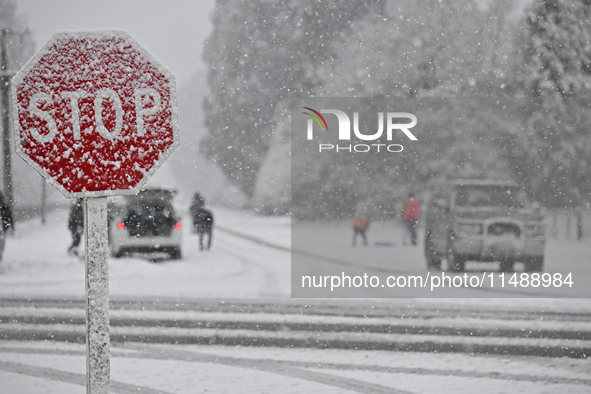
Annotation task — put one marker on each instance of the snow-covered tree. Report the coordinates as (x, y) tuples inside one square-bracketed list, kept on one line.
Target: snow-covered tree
[(558, 55), (260, 54), (553, 154), (19, 45), (273, 184), (263, 54), (425, 47)]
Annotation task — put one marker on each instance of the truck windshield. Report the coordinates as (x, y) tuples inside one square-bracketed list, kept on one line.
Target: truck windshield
[(490, 196)]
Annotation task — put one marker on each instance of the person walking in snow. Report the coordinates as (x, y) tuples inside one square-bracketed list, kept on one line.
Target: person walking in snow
[(76, 225), (410, 217), (360, 226), (7, 223), (203, 222), (196, 205)]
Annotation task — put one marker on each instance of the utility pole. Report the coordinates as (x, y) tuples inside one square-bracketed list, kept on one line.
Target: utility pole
[(5, 77)]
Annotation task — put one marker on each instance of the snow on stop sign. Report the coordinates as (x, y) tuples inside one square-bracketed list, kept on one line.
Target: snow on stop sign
[(94, 113)]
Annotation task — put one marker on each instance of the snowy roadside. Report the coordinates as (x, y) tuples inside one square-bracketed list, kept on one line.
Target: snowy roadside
[(37, 266), (238, 294)]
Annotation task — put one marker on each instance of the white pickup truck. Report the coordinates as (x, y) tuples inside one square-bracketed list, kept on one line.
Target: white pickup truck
[(483, 220)]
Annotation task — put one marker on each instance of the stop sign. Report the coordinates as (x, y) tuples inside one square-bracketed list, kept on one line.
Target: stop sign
[(94, 113)]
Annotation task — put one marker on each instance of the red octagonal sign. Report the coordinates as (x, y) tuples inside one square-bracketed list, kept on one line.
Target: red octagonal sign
[(94, 113)]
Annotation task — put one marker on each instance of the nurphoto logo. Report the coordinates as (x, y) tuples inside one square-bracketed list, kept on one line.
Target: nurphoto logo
[(393, 120)]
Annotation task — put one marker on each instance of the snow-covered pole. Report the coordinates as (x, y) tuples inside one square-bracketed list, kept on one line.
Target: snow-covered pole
[(98, 346)]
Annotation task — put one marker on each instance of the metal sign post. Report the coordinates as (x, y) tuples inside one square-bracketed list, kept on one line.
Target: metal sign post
[(96, 241)]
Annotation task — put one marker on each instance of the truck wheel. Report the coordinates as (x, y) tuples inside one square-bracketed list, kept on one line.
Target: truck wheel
[(535, 264), (507, 265), (175, 254), (434, 265), (455, 262), (116, 253)]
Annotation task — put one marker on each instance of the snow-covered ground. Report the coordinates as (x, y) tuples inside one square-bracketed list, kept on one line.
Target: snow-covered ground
[(53, 368), (387, 254), (250, 259), (36, 263)]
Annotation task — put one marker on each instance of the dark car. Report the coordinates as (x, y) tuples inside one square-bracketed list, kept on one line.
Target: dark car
[(147, 223), (483, 220)]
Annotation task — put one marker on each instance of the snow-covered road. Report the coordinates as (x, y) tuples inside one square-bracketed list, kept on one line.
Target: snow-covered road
[(52, 368), (36, 263), (323, 249), (238, 295), (250, 258)]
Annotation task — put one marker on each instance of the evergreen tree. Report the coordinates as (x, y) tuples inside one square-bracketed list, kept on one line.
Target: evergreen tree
[(19, 47), (261, 54), (552, 155)]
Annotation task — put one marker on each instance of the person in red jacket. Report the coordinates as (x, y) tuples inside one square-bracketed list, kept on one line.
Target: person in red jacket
[(412, 213)]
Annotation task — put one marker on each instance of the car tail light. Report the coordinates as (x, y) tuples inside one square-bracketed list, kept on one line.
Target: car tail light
[(177, 225), (121, 226)]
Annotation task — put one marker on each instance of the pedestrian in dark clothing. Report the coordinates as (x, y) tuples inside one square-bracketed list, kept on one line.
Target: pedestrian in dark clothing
[(203, 223), (360, 226), (411, 215), (196, 205), (7, 223), (202, 220), (76, 225)]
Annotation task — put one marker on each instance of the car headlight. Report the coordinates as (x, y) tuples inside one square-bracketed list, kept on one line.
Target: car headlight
[(470, 228)]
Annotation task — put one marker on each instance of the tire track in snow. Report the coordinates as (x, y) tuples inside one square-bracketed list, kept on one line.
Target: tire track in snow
[(269, 285), (158, 353), (72, 378), (272, 366), (303, 370), (271, 245), (366, 268)]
